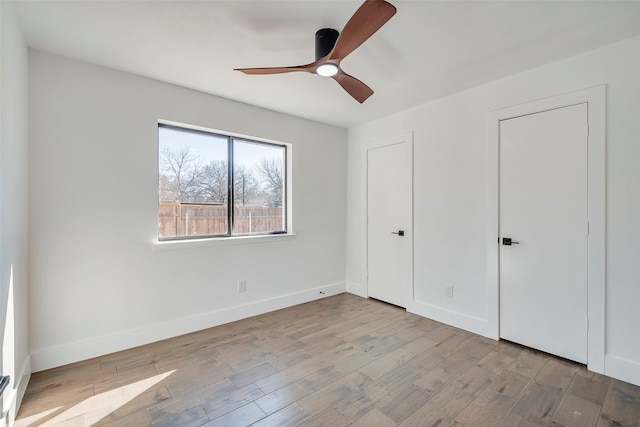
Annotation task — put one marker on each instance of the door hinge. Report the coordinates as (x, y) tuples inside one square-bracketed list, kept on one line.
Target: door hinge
[(587, 325), (588, 228)]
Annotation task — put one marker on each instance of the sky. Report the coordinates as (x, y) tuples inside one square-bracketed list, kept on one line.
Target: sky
[(211, 147)]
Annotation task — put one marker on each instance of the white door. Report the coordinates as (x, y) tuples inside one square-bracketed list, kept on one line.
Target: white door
[(389, 230), (543, 209)]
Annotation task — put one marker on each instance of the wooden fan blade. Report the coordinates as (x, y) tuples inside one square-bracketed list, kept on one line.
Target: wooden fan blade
[(355, 87), (368, 19), (309, 68)]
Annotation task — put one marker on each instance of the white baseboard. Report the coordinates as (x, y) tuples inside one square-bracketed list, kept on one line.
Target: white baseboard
[(453, 318), (25, 376), (622, 369), (69, 353), (357, 289)]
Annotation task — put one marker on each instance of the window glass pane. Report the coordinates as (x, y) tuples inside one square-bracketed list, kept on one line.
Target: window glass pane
[(193, 183), (259, 187)]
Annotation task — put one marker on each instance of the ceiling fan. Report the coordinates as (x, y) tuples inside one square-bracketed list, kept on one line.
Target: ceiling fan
[(332, 47)]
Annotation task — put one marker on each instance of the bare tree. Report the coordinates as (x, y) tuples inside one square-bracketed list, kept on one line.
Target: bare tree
[(184, 179), (246, 186), (213, 182), (166, 193), (180, 173), (271, 171)]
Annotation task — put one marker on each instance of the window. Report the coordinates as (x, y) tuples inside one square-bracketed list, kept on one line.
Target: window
[(214, 185)]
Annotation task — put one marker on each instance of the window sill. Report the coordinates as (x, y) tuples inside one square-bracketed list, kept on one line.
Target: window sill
[(220, 241)]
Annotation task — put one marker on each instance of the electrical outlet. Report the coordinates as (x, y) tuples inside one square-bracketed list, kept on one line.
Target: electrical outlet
[(242, 285), (448, 291)]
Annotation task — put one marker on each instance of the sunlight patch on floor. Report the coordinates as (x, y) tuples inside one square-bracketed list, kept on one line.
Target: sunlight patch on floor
[(33, 419), (95, 408)]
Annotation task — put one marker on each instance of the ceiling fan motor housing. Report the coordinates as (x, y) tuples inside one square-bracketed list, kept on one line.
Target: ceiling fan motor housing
[(368, 19), (325, 41)]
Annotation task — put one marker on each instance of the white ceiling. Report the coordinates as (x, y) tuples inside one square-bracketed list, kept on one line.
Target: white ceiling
[(428, 50)]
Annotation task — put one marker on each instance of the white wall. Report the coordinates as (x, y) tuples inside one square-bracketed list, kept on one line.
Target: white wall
[(97, 285), (450, 164), (13, 210)]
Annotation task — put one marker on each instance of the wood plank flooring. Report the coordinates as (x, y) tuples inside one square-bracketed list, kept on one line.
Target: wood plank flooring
[(339, 361)]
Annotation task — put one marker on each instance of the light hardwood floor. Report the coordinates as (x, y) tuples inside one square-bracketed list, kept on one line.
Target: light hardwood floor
[(338, 361)]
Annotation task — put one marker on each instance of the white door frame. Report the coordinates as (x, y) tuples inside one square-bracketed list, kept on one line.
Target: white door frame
[(400, 139), (596, 117)]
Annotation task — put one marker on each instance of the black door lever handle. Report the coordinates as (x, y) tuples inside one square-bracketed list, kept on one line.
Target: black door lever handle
[(399, 232), (506, 241)]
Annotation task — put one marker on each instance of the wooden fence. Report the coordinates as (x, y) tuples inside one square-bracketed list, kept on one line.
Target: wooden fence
[(186, 219)]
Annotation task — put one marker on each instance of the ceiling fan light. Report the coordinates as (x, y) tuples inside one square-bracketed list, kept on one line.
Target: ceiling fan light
[(327, 69)]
